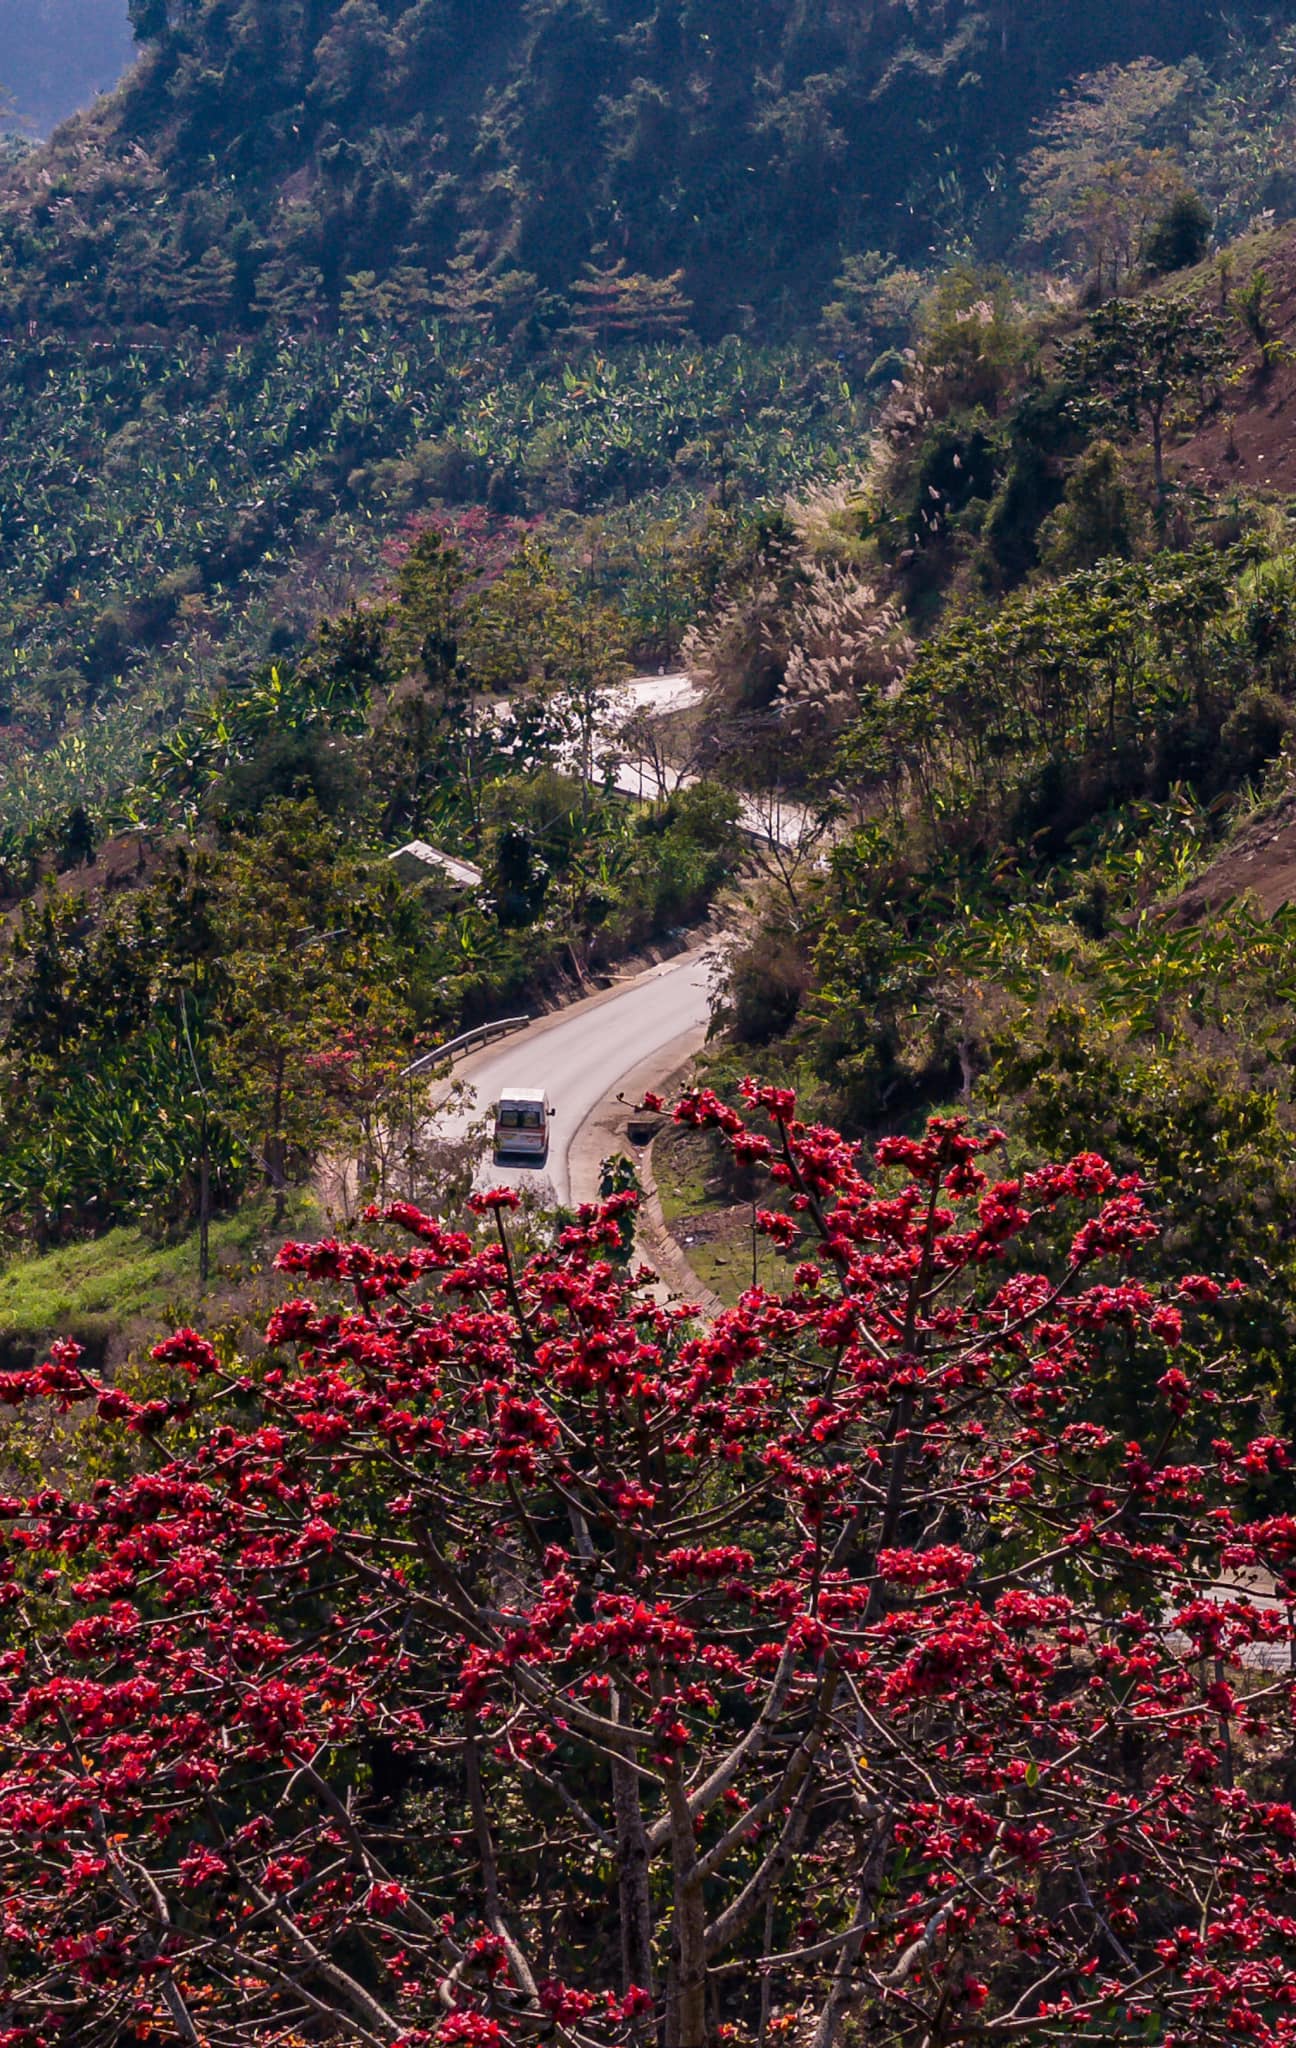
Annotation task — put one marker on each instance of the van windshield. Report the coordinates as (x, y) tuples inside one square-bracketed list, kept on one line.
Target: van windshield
[(521, 1120)]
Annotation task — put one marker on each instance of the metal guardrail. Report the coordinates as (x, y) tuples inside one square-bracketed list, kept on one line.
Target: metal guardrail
[(449, 1053)]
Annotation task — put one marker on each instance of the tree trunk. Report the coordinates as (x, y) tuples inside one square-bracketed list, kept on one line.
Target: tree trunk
[(842, 1993), (632, 1880), (688, 2027), (204, 1210)]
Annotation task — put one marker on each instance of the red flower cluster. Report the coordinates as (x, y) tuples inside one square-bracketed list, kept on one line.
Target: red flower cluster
[(502, 1657)]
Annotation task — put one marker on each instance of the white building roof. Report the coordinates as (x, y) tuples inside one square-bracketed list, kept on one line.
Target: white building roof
[(415, 861)]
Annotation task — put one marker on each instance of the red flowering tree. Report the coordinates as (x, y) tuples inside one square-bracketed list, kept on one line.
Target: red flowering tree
[(504, 1658)]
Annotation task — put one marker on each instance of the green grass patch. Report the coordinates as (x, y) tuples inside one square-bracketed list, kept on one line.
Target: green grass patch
[(713, 1231), (723, 1262), (683, 1163), (125, 1277)]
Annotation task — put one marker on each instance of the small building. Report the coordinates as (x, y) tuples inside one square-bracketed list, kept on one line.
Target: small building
[(419, 862)]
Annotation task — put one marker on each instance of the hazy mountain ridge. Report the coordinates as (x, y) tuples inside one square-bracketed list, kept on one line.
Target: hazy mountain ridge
[(55, 55)]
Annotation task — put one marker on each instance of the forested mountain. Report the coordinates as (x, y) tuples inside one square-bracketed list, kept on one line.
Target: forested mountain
[(602, 260), (486, 156), (55, 55)]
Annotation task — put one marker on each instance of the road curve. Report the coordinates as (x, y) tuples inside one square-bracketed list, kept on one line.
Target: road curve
[(770, 820), (584, 1056)]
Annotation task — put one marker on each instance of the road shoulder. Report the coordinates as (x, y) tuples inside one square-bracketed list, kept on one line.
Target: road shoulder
[(604, 1133)]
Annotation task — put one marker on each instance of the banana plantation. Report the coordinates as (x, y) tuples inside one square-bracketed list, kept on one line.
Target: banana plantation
[(174, 513)]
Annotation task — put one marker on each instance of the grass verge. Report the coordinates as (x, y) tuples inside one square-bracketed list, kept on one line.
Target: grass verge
[(712, 1230), (127, 1281)]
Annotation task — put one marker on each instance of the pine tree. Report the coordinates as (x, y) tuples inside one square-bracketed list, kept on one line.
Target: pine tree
[(617, 305)]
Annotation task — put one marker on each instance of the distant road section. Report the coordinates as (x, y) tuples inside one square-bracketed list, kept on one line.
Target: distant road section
[(583, 1056), (769, 820), (658, 694)]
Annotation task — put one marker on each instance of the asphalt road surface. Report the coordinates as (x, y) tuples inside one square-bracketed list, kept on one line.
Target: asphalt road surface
[(769, 820), (638, 1033), (677, 692)]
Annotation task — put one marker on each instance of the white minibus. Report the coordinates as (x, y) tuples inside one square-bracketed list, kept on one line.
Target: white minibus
[(522, 1124)]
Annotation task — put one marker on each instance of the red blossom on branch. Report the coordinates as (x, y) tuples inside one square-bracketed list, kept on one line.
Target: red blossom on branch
[(505, 1657)]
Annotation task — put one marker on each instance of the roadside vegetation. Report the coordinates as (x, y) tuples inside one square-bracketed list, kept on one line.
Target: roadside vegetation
[(219, 999), (964, 530), (123, 1289), (1042, 666)]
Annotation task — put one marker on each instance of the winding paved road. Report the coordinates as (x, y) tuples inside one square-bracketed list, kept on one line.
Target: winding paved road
[(623, 1040), (771, 820)]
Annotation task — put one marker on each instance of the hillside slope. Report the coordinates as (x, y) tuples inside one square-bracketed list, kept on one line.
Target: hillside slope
[(321, 265), (1249, 443), (749, 146)]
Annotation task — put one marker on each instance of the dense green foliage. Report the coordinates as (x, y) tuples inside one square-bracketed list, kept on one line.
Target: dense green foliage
[(744, 145), (1011, 924), (453, 257), (177, 512), (237, 997), (513, 344)]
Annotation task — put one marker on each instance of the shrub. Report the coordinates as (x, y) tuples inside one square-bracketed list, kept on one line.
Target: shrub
[(1256, 730), (1181, 236), (766, 979), (1101, 516)]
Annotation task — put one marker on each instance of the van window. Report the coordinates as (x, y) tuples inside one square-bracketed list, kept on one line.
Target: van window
[(530, 1120), (508, 1120)]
